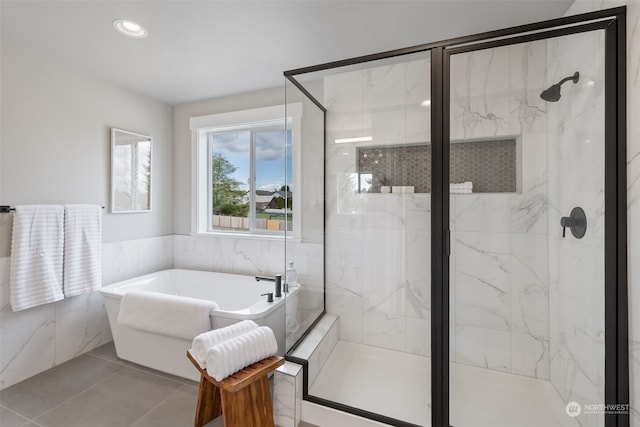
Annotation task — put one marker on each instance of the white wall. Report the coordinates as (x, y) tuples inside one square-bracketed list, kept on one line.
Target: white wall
[(55, 143)]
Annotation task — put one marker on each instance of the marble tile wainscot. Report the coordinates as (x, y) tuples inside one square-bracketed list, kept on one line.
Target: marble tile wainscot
[(37, 339)]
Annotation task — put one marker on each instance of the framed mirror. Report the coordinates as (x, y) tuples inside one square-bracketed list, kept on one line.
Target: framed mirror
[(130, 172)]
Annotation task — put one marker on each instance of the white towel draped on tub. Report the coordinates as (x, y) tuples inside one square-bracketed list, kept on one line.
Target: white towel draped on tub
[(232, 355), (82, 249), (37, 243), (205, 341), (165, 314)]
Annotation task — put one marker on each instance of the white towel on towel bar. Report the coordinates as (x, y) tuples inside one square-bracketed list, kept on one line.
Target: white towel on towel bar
[(232, 355), (166, 314), (82, 249), (203, 342), (37, 244)]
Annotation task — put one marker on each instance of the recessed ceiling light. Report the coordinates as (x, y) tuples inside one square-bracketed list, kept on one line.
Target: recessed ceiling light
[(130, 28), (426, 103)]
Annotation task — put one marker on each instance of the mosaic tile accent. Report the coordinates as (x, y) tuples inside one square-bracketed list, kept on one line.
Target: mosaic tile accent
[(401, 165), (490, 165)]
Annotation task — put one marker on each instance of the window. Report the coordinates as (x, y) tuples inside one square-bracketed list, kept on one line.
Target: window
[(245, 177)]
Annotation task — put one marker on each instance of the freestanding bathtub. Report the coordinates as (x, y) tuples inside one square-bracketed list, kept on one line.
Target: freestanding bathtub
[(239, 297)]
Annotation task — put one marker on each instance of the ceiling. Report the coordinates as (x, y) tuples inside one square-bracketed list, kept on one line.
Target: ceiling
[(203, 49)]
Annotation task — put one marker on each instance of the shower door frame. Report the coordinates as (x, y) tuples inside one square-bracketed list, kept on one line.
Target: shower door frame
[(613, 23)]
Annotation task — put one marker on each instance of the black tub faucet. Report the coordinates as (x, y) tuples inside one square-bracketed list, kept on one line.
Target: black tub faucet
[(278, 281)]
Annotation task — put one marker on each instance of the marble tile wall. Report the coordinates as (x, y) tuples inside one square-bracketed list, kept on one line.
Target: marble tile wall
[(500, 289), (576, 273), (265, 257), (372, 240), (318, 345), (378, 245), (36, 339), (499, 250), (287, 397)]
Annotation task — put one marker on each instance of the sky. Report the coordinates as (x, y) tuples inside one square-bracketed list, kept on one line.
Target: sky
[(270, 157)]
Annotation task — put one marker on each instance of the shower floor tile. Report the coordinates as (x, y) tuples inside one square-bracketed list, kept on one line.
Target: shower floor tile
[(385, 382), (397, 385)]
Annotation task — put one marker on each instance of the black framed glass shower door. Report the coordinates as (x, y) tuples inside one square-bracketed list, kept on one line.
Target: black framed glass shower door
[(500, 269)]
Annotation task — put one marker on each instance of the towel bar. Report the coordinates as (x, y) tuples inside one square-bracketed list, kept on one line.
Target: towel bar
[(243, 398), (7, 208)]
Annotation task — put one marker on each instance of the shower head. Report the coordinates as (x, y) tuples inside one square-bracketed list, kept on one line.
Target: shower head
[(552, 94)]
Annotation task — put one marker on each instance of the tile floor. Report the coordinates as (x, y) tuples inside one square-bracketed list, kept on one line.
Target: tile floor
[(97, 389)]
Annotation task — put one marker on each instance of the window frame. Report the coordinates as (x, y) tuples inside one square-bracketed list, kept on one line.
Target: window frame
[(257, 119)]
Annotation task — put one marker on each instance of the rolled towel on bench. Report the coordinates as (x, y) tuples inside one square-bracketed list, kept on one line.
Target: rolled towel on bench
[(232, 355), (207, 340)]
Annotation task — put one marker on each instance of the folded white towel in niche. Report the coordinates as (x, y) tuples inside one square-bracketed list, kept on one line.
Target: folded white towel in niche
[(82, 249), (165, 314), (37, 244), (232, 355), (461, 188), (203, 342)]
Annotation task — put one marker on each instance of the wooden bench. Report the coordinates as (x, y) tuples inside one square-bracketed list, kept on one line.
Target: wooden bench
[(243, 398)]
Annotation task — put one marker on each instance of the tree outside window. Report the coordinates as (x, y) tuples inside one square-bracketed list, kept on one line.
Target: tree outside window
[(248, 170)]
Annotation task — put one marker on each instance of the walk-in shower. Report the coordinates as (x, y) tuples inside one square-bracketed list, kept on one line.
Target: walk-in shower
[(474, 228)]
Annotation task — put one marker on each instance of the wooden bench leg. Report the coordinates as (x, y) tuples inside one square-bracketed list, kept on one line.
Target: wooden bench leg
[(209, 399), (248, 407)]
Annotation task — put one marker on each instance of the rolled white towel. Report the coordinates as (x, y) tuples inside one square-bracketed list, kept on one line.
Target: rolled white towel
[(207, 340), (461, 188), (232, 355), (462, 185)]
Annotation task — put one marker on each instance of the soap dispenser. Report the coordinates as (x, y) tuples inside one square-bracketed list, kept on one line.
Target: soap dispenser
[(291, 275)]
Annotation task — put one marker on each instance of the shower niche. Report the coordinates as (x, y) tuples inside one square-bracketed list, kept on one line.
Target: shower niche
[(491, 165)]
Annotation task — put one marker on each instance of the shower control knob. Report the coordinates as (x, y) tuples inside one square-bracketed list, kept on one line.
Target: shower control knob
[(576, 222)]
